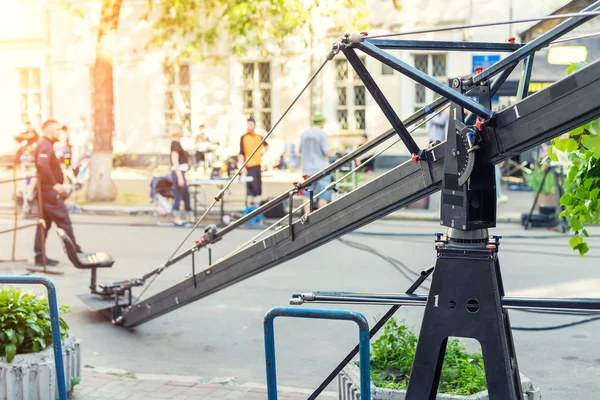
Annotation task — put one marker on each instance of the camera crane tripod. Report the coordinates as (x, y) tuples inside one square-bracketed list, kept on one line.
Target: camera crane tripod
[(466, 297), (546, 217)]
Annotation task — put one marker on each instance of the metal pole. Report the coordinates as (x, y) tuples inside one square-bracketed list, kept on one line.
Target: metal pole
[(16, 206), (536, 44), (424, 79), (381, 100), (364, 350), (41, 220)]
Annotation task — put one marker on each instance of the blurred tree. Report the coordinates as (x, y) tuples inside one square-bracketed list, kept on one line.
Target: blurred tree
[(101, 186), (188, 27)]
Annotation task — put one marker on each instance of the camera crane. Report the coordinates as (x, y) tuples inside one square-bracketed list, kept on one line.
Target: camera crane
[(466, 298)]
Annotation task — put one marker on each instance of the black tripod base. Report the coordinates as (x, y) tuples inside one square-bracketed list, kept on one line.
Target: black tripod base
[(465, 301)]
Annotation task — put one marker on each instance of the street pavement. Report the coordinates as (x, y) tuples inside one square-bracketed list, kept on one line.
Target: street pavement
[(222, 335), (113, 385)]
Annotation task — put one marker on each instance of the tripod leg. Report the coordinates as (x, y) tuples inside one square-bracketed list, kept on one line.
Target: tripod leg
[(535, 200), (465, 300), (427, 367)]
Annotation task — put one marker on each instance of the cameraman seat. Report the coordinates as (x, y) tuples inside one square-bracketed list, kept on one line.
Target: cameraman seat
[(91, 261)]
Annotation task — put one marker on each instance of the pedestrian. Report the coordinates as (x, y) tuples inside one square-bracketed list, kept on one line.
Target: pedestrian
[(314, 150), (248, 143), (53, 193), (180, 164), (367, 165), (204, 149), (437, 128)]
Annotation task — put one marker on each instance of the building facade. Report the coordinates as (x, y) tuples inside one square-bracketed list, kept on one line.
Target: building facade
[(48, 53)]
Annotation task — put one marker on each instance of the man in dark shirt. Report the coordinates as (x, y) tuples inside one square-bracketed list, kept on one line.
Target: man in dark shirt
[(53, 192)]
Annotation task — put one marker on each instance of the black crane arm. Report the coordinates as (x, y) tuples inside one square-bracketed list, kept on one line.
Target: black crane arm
[(566, 104)]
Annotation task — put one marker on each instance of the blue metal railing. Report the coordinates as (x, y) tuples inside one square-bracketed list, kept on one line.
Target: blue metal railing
[(54, 322), (364, 350)]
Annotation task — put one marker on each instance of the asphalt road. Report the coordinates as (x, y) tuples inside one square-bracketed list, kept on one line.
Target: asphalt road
[(222, 335)]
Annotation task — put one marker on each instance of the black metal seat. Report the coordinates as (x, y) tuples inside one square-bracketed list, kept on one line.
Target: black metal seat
[(84, 260), (91, 261)]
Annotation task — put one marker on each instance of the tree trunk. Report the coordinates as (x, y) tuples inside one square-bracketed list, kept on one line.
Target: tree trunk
[(101, 186)]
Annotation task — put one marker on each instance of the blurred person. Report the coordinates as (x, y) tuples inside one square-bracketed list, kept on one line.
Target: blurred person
[(26, 141), (180, 164), (53, 192), (314, 150), (204, 149), (248, 142), (368, 166), (64, 151), (437, 127)]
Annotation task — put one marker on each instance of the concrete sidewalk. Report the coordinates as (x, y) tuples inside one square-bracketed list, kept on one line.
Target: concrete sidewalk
[(100, 384)]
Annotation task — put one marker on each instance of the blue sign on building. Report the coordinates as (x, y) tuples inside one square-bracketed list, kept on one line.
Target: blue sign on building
[(484, 61)]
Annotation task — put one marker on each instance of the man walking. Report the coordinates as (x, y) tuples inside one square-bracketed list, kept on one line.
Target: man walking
[(314, 149), (248, 142), (53, 192)]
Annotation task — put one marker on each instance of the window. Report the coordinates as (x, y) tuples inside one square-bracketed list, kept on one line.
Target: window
[(178, 107), (30, 96), (351, 96), (256, 92), (435, 66), (386, 70)]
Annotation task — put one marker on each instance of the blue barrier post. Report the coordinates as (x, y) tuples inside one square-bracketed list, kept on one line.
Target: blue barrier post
[(364, 350), (54, 323)]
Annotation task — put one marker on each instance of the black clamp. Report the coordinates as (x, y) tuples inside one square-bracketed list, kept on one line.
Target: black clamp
[(209, 237), (493, 243), (440, 241), (423, 158)]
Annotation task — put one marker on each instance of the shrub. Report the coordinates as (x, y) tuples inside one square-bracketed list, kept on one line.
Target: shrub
[(582, 185), (393, 353), (25, 323)]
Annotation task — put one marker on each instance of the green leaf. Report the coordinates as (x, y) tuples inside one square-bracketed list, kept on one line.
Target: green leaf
[(582, 248), (571, 145), (575, 241), (575, 66), (566, 199), (585, 233), (592, 142), (10, 335), (561, 144), (10, 350), (576, 225), (551, 154), (594, 126), (578, 131)]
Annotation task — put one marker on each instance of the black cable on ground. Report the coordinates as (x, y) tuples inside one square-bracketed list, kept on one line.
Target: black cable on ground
[(554, 327), (399, 265)]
